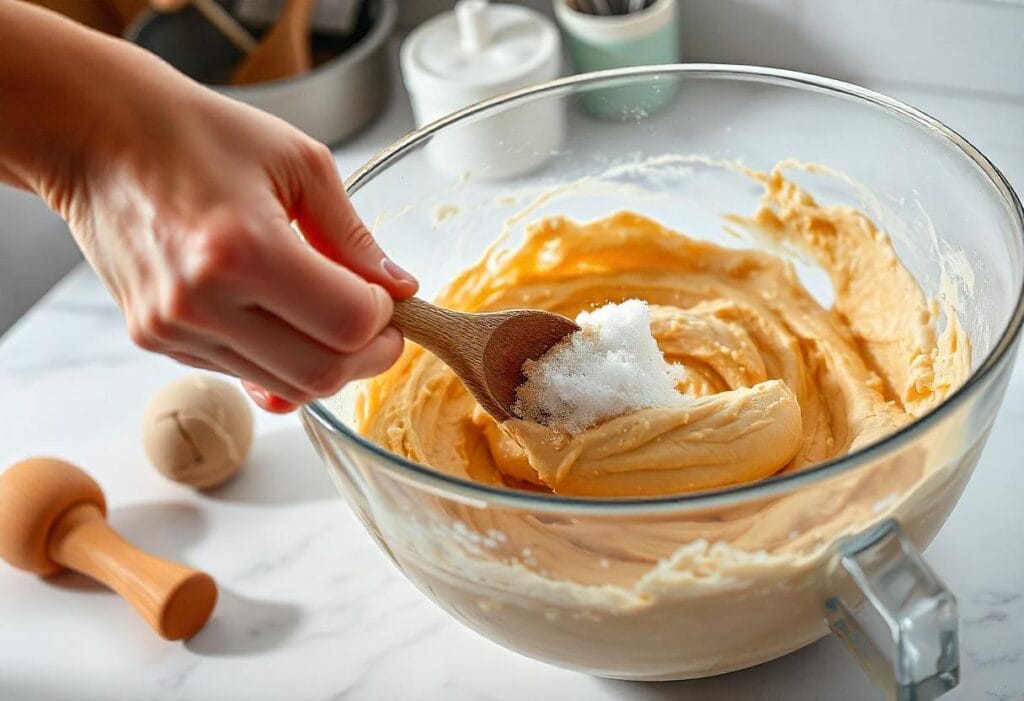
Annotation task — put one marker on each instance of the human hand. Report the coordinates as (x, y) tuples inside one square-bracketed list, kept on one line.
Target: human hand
[(182, 200)]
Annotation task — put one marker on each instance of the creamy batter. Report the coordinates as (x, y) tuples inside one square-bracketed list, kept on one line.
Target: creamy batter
[(777, 381)]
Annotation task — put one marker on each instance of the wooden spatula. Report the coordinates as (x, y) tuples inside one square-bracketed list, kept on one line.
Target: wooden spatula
[(487, 351), (285, 49)]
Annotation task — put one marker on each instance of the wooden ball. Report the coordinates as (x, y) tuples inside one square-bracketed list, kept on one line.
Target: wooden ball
[(34, 493), (198, 431)]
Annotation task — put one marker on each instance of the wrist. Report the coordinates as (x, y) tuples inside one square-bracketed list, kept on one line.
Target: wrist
[(79, 99)]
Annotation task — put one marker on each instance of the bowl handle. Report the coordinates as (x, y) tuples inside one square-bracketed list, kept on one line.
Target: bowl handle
[(906, 638)]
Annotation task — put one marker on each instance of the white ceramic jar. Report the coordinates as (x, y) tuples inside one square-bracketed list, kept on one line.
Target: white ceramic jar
[(478, 51)]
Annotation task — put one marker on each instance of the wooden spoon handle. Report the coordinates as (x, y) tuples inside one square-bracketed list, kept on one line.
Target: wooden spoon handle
[(454, 337), (175, 600), (423, 322)]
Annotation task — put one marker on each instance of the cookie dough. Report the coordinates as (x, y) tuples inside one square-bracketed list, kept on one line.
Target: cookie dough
[(197, 430), (681, 589), (778, 382)]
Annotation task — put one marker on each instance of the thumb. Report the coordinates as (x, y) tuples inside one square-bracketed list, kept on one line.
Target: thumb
[(330, 224)]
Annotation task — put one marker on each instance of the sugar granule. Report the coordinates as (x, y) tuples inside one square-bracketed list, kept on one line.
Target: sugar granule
[(611, 366)]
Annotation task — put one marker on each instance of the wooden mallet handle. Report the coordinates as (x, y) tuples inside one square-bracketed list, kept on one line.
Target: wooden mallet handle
[(175, 600), (53, 516)]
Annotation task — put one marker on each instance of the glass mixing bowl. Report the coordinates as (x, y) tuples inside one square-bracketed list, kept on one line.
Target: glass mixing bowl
[(698, 584)]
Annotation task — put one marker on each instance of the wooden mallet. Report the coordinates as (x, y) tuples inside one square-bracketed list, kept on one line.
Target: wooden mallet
[(53, 517)]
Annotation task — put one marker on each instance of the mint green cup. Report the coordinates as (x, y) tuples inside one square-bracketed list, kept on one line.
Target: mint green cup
[(600, 42)]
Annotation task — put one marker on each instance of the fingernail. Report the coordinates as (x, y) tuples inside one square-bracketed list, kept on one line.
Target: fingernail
[(255, 391), (395, 272), (266, 400), (278, 405)]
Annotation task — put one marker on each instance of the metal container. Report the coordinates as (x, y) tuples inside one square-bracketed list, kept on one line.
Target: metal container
[(330, 103)]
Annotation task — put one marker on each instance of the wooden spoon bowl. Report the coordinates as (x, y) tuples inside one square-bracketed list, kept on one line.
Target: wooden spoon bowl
[(486, 350), (284, 50)]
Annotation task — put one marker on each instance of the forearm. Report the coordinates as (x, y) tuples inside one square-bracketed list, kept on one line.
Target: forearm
[(182, 201), (64, 99)]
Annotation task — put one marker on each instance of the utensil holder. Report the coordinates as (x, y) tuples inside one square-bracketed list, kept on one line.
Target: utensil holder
[(599, 42)]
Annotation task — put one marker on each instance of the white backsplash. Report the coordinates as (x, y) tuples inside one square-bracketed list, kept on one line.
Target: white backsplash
[(974, 45), (36, 250), (968, 54), (970, 45)]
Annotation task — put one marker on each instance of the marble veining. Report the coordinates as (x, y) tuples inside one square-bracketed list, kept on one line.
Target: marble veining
[(310, 608)]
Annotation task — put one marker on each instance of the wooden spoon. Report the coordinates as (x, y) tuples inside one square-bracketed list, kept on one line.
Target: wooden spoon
[(284, 51), (487, 351), (53, 516)]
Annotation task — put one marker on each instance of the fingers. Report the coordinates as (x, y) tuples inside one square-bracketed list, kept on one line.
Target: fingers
[(378, 355), (294, 358), (241, 295), (330, 224), (197, 362), (266, 400), (322, 299), (254, 345), (388, 349), (211, 345), (289, 368), (381, 355), (242, 263), (237, 365), (260, 395)]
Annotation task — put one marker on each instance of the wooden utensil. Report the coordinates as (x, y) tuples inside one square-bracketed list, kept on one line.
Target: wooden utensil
[(216, 15), (53, 516), (487, 351), (285, 49)]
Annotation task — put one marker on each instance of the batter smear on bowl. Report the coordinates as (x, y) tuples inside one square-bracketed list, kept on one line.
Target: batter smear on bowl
[(766, 380)]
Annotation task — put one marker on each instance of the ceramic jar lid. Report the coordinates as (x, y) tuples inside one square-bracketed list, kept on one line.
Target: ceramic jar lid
[(480, 50)]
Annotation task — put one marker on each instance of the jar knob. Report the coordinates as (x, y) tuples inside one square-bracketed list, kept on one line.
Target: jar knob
[(474, 25)]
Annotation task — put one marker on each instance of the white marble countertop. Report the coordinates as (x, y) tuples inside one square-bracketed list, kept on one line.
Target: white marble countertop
[(310, 609)]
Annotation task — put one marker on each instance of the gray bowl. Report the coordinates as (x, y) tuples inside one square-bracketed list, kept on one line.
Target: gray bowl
[(330, 103)]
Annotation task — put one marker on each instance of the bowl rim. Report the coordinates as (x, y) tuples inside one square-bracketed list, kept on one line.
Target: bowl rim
[(467, 490)]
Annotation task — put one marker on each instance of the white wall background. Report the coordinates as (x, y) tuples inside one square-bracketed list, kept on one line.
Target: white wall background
[(961, 60), (35, 251)]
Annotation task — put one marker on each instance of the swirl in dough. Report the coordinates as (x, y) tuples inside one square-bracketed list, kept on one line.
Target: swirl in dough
[(777, 382)]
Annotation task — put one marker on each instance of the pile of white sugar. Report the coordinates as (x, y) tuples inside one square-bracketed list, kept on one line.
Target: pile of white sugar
[(610, 367)]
